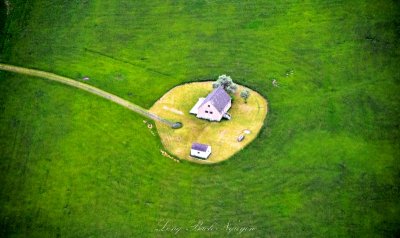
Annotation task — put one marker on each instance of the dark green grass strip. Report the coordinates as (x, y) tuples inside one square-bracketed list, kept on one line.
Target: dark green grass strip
[(126, 62)]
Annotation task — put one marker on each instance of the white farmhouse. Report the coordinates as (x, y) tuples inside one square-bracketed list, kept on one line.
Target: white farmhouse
[(201, 151), (214, 106)]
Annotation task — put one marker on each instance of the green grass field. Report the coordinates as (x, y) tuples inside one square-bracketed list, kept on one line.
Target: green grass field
[(325, 164)]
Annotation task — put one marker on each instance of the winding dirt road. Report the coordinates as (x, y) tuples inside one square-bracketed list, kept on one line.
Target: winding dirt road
[(85, 87)]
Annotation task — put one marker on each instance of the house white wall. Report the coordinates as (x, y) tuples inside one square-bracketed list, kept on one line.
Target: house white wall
[(209, 112), (227, 107), (201, 154), (195, 109)]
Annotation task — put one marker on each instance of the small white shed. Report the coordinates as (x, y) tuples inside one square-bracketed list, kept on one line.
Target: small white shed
[(200, 151)]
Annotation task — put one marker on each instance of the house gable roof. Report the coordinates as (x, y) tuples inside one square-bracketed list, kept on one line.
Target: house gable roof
[(199, 147), (219, 98)]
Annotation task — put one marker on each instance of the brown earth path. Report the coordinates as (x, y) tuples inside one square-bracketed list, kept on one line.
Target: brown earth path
[(87, 88)]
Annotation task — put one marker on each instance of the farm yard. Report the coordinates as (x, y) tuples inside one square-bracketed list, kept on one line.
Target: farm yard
[(222, 136), (324, 164)]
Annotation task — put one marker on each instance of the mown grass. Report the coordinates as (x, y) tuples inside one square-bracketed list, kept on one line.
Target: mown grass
[(221, 136), (325, 164)]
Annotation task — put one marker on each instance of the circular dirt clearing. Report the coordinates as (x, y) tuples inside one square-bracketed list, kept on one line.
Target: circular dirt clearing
[(221, 136)]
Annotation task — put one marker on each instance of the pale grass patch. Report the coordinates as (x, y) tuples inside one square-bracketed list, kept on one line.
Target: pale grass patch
[(173, 110), (8, 6), (222, 136)]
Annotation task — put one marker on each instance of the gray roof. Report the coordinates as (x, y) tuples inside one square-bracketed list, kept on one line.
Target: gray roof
[(218, 98), (199, 147)]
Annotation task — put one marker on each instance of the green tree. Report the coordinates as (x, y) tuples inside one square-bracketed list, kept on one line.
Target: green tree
[(226, 82), (245, 94)]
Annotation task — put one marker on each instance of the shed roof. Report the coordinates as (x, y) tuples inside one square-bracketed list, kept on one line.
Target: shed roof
[(219, 98), (199, 147)]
